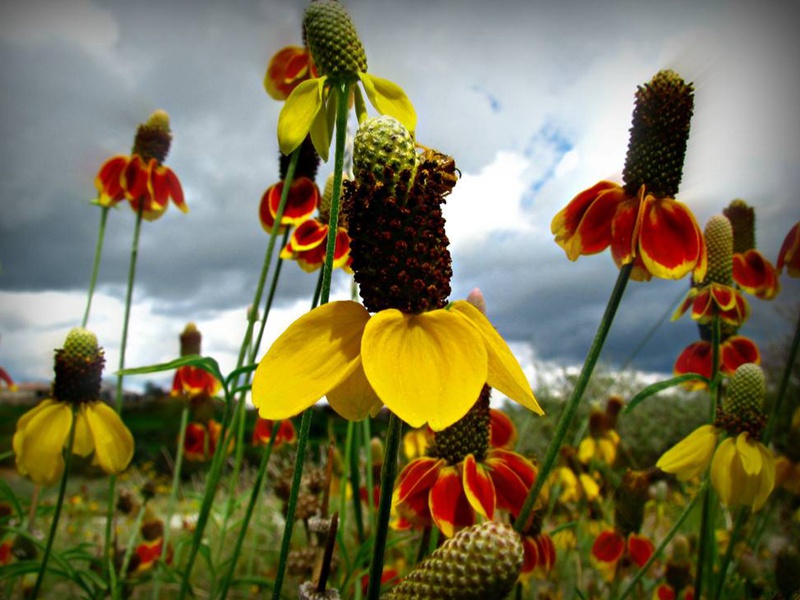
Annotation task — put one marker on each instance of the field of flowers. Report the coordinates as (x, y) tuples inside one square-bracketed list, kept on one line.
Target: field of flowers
[(408, 480)]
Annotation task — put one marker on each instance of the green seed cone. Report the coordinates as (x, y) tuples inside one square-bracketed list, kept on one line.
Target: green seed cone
[(80, 344), (746, 391), (719, 243), (333, 40), (478, 563), (384, 149), (658, 135)]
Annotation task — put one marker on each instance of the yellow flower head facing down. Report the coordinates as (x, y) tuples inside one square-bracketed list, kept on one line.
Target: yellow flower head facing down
[(426, 368), (691, 456), (340, 58), (43, 432), (743, 472)]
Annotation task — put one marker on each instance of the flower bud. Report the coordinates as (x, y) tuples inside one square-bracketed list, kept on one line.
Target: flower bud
[(333, 40), (719, 243)]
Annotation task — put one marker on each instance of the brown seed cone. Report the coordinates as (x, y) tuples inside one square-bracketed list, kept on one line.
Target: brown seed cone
[(78, 368), (743, 221), (631, 496), (478, 563), (153, 138), (468, 435)]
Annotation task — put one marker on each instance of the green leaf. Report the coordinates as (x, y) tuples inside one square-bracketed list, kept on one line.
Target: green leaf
[(193, 360), (655, 388), (240, 371), (389, 99)]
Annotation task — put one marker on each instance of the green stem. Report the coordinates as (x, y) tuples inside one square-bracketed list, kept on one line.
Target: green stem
[(270, 297), (741, 519), (787, 375), (388, 475), (577, 393), (62, 488), (101, 233), (257, 485), (348, 449), (126, 560), (352, 457), (286, 541), (173, 494), (670, 534)]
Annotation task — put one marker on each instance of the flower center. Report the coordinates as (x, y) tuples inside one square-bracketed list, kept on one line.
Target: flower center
[(468, 435)]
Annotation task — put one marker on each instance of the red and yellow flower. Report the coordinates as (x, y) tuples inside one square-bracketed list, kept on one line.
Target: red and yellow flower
[(611, 546), (308, 245), (659, 235), (264, 430), (451, 496), (200, 440), (191, 381), (539, 555), (733, 352), (755, 274), (713, 299), (789, 255), (301, 203), (288, 68)]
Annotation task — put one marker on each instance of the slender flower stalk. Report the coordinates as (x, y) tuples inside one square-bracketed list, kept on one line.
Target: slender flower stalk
[(101, 232)]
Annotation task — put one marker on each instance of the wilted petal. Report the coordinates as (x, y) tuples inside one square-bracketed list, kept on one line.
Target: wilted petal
[(428, 367), (314, 355)]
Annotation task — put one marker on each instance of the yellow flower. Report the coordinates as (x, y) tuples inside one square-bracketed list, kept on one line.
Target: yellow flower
[(743, 471), (426, 368), (43, 432), (602, 448), (690, 457)]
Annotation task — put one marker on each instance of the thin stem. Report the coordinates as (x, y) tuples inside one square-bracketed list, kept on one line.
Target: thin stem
[(126, 560), (62, 488), (173, 494), (388, 475), (101, 233), (787, 373), (577, 393), (353, 458), (302, 443), (257, 485), (670, 534), (741, 519)]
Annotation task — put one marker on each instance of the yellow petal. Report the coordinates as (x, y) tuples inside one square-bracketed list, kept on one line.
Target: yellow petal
[(586, 450), (504, 372), (426, 368), (84, 443), (42, 441), (313, 356), (726, 473), (113, 442), (690, 457), (590, 488), (22, 425), (766, 477), (748, 454), (298, 114), (322, 127), (389, 99), (607, 450), (354, 398)]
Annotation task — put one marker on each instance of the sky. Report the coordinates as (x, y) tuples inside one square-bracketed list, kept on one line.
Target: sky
[(532, 99)]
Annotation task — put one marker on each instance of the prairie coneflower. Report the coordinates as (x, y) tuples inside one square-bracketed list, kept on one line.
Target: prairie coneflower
[(641, 220), (288, 68), (43, 431), (427, 361), (264, 429), (789, 255), (141, 178), (751, 270), (190, 381)]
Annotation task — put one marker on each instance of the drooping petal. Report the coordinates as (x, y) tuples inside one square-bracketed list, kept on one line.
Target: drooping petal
[(584, 225), (789, 255), (298, 114), (478, 487), (591, 490), (109, 181), (690, 457), (755, 275), (736, 351), (748, 453), (113, 442), (504, 372), (428, 367), (766, 478), (448, 504), (316, 353), (502, 433), (640, 549), (309, 234), (669, 239), (586, 450), (84, 442), (727, 475), (389, 99), (166, 186), (624, 227), (39, 444), (512, 475), (322, 127), (191, 381), (609, 546), (353, 398), (695, 358)]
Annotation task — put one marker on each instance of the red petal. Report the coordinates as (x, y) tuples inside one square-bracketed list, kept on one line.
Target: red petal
[(109, 181), (665, 592), (502, 433), (736, 351), (264, 213), (530, 557), (789, 254), (417, 477), (669, 239), (640, 549), (478, 487), (448, 504), (309, 234), (194, 381), (695, 358), (584, 225), (608, 546), (623, 227), (512, 475), (288, 67), (755, 275)]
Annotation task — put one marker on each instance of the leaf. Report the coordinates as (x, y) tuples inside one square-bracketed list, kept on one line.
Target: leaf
[(8, 493), (194, 360), (655, 388), (240, 371)]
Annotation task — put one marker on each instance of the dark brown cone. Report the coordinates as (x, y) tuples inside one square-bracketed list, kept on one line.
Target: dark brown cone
[(468, 435), (743, 221), (307, 162), (631, 496), (77, 379)]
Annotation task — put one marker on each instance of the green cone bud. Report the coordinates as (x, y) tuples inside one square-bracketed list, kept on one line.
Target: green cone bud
[(478, 563), (383, 148), (153, 138), (746, 391), (333, 40), (743, 221), (80, 344), (719, 244), (658, 135)]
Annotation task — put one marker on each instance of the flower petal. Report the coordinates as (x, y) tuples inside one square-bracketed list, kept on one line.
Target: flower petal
[(389, 99), (749, 455), (789, 254), (84, 442), (502, 433), (727, 477), (109, 181), (40, 443), (314, 355), (669, 239), (504, 372), (353, 398), (736, 351), (428, 367), (448, 503), (512, 475), (322, 127), (766, 481), (640, 549), (478, 487), (298, 114), (113, 442), (416, 478), (584, 225), (690, 457), (608, 546)]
